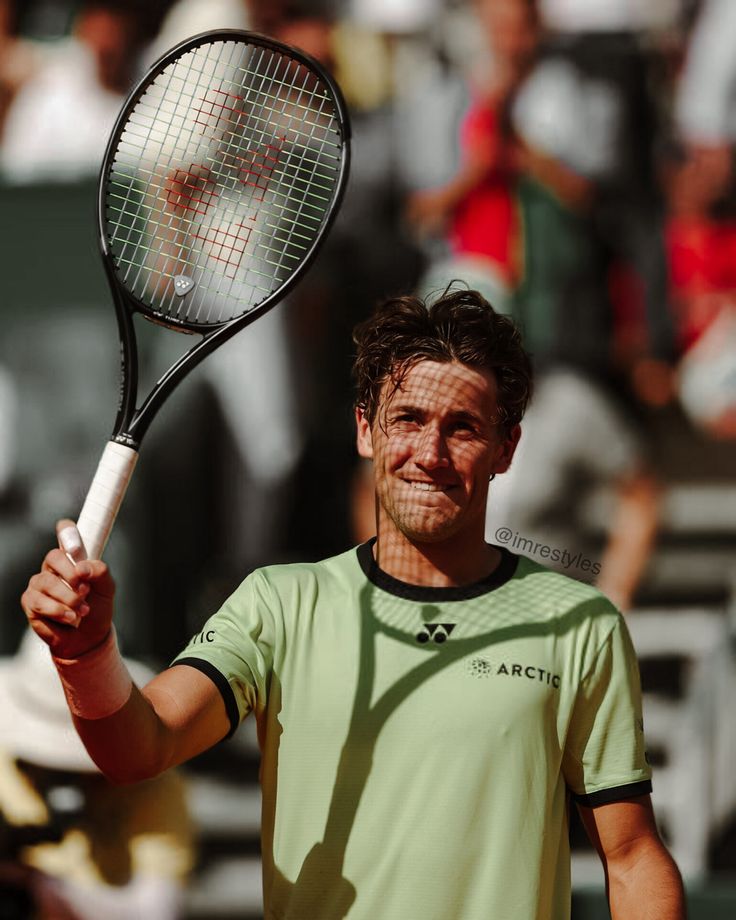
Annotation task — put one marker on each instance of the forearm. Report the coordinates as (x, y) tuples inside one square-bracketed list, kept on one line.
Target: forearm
[(630, 542), (646, 885), (176, 716), (130, 745), (478, 167), (130, 734), (109, 712), (483, 159), (573, 190)]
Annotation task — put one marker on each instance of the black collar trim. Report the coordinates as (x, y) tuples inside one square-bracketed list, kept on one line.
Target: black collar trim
[(503, 572)]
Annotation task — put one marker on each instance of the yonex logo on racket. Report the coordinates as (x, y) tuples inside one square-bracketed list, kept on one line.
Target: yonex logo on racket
[(439, 632), (183, 284)]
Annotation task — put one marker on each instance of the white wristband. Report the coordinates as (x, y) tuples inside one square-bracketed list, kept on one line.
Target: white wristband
[(97, 684)]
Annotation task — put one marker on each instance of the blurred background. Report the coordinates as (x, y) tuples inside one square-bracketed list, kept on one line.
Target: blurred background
[(571, 159)]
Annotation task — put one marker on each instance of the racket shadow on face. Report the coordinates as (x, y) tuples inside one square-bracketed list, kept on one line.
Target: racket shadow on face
[(399, 632)]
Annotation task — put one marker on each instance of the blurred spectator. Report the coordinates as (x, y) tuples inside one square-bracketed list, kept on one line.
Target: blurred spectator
[(186, 18), (706, 105), (366, 256), (304, 25), (576, 16), (73, 846), (707, 375), (577, 437), (60, 120), (477, 206), (702, 223), (589, 124), (254, 375), (396, 17), (553, 143), (593, 215), (18, 57)]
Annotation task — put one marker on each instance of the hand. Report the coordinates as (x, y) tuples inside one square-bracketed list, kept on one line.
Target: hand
[(69, 603), (429, 211), (653, 382), (701, 180)]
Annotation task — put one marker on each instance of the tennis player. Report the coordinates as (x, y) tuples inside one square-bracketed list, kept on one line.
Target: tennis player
[(428, 705)]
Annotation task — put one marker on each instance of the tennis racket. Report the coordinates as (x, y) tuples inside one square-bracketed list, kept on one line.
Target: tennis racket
[(220, 180)]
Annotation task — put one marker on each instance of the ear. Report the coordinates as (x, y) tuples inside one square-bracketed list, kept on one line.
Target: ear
[(364, 438), (507, 450)]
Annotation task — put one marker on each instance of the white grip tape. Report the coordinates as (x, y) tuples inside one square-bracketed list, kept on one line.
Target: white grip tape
[(105, 496)]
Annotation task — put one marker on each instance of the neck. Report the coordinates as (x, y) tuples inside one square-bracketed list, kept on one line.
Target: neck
[(457, 561)]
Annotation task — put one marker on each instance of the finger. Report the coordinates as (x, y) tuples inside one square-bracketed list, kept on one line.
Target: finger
[(70, 540), (60, 564), (60, 590), (93, 572), (97, 575), (37, 604), (49, 631)]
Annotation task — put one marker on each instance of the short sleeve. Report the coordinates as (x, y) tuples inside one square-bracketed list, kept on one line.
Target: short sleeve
[(235, 649), (604, 758)]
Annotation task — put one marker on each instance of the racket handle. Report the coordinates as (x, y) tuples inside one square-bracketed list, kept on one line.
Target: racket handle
[(105, 496)]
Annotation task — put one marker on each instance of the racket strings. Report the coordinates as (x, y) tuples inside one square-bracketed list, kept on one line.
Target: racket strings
[(298, 221), (225, 172), (174, 242), (200, 199)]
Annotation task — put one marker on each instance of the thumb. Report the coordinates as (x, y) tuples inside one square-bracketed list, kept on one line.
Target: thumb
[(70, 540)]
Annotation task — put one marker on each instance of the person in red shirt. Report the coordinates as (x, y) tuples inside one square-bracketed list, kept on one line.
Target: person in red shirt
[(476, 209)]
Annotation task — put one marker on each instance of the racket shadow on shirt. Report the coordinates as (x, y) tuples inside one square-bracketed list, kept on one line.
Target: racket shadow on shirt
[(321, 892)]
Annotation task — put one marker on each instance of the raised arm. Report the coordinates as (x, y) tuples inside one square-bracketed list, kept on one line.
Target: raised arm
[(131, 734), (642, 879)]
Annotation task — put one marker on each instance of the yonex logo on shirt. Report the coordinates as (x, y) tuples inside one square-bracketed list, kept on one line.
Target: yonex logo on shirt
[(437, 631)]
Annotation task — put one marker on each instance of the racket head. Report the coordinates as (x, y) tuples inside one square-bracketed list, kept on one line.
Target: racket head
[(224, 172)]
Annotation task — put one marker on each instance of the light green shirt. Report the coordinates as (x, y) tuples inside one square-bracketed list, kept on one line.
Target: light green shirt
[(420, 745)]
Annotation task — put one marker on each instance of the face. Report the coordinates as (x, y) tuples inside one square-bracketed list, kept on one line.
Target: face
[(510, 27), (108, 35), (434, 443)]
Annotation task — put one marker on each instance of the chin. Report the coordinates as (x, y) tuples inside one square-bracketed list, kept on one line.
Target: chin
[(427, 533)]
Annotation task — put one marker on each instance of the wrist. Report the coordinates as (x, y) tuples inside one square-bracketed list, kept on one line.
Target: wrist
[(97, 683)]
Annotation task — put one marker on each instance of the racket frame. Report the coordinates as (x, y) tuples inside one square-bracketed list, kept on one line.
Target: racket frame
[(120, 455), (132, 421)]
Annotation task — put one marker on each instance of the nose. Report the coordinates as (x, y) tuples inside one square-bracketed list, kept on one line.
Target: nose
[(431, 449)]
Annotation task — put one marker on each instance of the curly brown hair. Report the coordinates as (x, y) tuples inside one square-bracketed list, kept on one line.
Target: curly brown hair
[(459, 326)]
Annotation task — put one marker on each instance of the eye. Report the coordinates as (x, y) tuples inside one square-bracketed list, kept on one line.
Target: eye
[(405, 419), (463, 427)]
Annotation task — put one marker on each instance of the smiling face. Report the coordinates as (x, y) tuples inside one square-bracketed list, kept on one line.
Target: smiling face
[(434, 445)]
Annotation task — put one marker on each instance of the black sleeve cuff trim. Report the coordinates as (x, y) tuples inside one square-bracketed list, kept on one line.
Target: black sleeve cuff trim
[(219, 680), (615, 794)]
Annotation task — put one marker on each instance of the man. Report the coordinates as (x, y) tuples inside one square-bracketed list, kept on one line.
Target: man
[(427, 704)]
